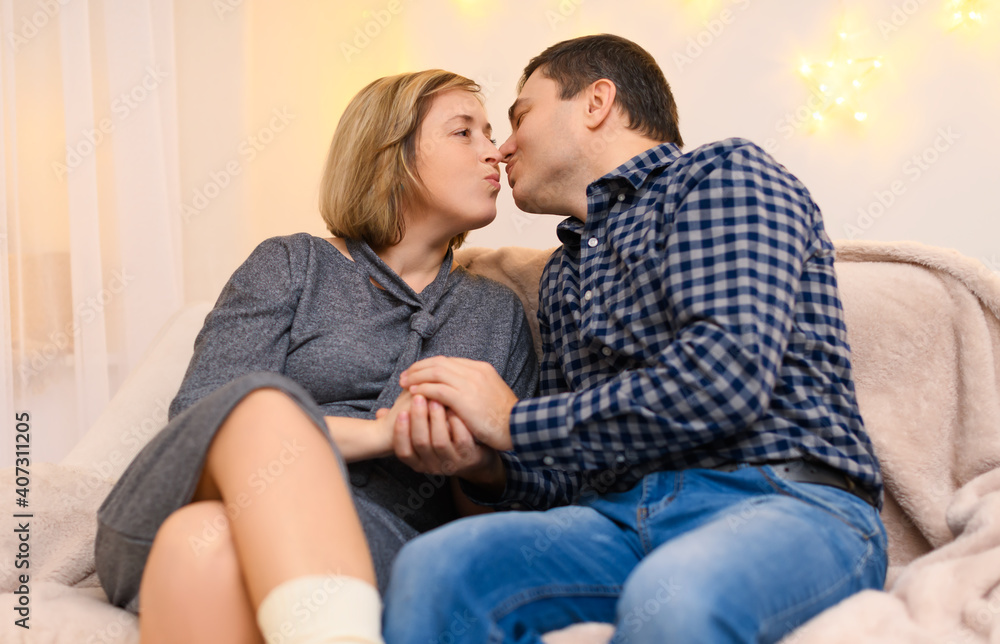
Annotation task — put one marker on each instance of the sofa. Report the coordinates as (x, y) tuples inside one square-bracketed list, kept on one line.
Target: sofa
[(924, 326)]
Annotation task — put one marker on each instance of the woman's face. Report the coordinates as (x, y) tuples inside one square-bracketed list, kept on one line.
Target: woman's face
[(458, 164)]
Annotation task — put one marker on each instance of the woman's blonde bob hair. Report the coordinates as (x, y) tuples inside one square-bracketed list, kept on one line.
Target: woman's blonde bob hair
[(371, 167)]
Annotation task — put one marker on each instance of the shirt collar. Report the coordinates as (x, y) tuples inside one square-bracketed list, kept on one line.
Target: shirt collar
[(635, 171), (569, 232)]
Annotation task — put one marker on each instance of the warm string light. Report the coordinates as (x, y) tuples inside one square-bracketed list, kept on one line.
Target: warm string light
[(966, 13), (836, 83)]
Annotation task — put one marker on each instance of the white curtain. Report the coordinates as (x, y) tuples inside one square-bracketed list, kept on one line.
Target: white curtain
[(91, 234)]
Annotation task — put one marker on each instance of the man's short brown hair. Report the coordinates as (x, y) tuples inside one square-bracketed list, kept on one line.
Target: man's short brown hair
[(643, 93)]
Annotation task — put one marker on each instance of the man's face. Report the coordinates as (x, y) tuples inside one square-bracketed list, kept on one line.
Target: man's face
[(540, 153)]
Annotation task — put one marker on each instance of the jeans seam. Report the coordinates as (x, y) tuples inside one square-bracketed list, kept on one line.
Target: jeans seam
[(829, 590), (641, 512), (523, 598), (496, 634), (646, 513)]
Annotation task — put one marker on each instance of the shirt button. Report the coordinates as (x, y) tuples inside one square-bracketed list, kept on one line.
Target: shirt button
[(592, 242), (548, 460), (621, 197), (587, 296), (606, 351), (620, 458)]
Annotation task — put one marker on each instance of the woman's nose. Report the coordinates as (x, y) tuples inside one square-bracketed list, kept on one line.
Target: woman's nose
[(491, 154)]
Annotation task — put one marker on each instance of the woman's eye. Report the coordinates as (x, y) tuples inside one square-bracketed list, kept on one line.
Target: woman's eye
[(463, 132), (494, 142)]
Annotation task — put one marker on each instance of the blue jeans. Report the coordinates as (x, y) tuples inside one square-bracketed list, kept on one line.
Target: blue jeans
[(688, 556)]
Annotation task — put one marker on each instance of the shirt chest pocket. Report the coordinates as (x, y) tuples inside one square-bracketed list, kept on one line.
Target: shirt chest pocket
[(623, 309)]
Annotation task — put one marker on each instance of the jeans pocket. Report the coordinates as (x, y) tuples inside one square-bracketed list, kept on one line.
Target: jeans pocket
[(843, 505), (660, 490)]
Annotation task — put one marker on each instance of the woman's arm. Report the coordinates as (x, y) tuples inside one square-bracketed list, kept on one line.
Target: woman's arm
[(359, 439), (249, 328)]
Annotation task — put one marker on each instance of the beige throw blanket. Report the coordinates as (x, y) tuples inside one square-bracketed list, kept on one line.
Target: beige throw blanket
[(924, 324)]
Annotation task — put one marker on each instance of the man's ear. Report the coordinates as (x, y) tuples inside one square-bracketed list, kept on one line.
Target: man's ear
[(599, 104)]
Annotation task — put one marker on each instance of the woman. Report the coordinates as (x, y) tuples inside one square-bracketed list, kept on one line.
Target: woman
[(237, 518)]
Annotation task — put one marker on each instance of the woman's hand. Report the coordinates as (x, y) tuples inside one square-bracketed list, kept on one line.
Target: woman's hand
[(385, 421), (359, 439), (433, 440)]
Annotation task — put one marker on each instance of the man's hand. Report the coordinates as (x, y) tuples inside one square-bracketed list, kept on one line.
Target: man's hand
[(473, 390), (432, 440)]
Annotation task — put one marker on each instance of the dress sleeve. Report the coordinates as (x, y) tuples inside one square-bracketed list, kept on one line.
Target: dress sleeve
[(248, 330), (521, 373)]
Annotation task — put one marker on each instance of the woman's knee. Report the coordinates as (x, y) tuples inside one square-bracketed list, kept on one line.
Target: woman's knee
[(266, 428), (195, 544), (268, 416), (192, 588)]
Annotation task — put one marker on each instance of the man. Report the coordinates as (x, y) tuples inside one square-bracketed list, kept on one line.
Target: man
[(697, 405)]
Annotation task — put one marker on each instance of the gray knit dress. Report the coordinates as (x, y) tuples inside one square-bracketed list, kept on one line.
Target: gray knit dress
[(301, 317)]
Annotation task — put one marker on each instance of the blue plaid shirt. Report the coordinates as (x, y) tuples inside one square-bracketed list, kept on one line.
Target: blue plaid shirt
[(693, 320)]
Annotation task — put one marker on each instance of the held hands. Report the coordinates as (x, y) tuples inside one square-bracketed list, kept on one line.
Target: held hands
[(385, 422), (472, 390), (433, 440)]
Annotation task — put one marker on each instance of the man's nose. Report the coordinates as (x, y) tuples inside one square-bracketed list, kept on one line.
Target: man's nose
[(507, 149)]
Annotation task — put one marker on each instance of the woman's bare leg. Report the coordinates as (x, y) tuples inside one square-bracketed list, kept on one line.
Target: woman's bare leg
[(289, 503), (289, 514), (192, 591)]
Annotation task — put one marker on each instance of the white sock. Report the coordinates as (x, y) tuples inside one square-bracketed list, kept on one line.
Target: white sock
[(322, 609)]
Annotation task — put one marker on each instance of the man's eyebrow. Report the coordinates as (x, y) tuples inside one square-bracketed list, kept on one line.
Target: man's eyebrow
[(513, 108)]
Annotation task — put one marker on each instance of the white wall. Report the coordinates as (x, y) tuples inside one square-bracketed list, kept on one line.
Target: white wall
[(733, 66)]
